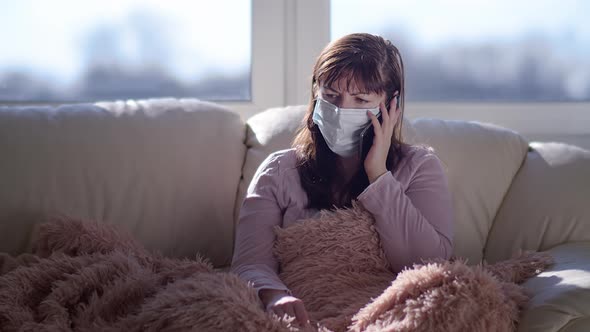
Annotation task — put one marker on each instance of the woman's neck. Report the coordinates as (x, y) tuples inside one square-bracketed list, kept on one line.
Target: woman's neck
[(347, 167)]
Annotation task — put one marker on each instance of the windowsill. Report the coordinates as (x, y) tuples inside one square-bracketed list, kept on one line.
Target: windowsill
[(537, 117), (538, 121)]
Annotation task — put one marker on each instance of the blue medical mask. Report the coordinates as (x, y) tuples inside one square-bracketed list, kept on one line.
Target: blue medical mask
[(341, 127)]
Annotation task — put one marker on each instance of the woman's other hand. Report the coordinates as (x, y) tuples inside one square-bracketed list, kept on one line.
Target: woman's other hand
[(279, 302), (377, 156)]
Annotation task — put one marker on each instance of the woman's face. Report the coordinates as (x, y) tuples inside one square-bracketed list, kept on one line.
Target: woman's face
[(354, 97)]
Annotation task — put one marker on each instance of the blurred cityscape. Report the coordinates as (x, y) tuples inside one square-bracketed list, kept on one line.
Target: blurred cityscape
[(528, 69), (464, 50), (118, 82), (139, 55)]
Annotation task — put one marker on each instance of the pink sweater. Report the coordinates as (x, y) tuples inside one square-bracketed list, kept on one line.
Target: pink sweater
[(412, 209)]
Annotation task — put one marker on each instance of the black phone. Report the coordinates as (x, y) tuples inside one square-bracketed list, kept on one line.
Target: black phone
[(366, 141), (368, 133)]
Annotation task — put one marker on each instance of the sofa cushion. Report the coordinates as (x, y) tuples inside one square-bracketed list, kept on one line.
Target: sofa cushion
[(547, 204), (482, 160), (560, 296), (154, 167)]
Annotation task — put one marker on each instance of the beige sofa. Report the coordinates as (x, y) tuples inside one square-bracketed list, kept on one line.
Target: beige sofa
[(174, 172)]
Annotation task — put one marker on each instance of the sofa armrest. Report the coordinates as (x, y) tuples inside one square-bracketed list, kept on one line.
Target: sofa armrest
[(560, 296)]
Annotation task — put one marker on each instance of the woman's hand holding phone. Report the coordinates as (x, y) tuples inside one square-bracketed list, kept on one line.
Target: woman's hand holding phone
[(376, 158)]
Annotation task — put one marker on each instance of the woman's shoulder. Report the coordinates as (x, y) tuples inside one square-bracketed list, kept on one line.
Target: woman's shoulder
[(281, 161), (418, 151), (278, 172)]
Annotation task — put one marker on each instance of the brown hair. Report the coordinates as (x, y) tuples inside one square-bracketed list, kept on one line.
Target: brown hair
[(370, 62)]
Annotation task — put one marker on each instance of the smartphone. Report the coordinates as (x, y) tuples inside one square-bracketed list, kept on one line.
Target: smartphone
[(368, 133)]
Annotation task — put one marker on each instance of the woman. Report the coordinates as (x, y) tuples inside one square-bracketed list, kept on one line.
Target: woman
[(356, 79)]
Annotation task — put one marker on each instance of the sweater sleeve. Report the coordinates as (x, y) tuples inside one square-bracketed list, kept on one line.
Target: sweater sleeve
[(253, 260), (415, 224)]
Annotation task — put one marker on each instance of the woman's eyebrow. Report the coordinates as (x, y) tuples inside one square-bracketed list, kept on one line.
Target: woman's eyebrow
[(352, 94)]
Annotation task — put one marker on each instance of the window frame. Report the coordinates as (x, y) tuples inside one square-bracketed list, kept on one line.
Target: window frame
[(287, 37)]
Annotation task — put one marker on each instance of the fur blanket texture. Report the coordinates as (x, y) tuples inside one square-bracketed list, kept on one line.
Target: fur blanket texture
[(89, 276)]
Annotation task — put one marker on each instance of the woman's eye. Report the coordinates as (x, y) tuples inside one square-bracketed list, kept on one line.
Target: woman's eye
[(330, 96), (362, 101)]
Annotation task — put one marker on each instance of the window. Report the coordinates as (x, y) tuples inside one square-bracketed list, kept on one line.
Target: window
[(65, 50), (481, 51)]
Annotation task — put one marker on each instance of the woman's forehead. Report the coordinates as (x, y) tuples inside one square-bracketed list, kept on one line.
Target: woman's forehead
[(346, 84)]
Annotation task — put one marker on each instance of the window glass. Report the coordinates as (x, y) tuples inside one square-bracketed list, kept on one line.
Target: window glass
[(464, 50), (66, 50)]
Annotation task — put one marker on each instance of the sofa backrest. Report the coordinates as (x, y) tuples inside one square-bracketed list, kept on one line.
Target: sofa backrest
[(548, 202), (167, 170), (481, 160)]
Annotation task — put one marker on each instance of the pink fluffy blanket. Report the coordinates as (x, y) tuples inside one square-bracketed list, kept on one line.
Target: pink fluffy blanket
[(87, 276)]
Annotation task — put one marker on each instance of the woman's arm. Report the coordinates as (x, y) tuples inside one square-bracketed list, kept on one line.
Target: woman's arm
[(418, 223), (253, 259)]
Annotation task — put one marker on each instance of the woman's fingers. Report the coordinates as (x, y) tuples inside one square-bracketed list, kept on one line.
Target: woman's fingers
[(384, 113), (301, 314), (278, 310), (392, 116), (376, 124), (293, 309), (288, 309), (389, 118), (284, 304)]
